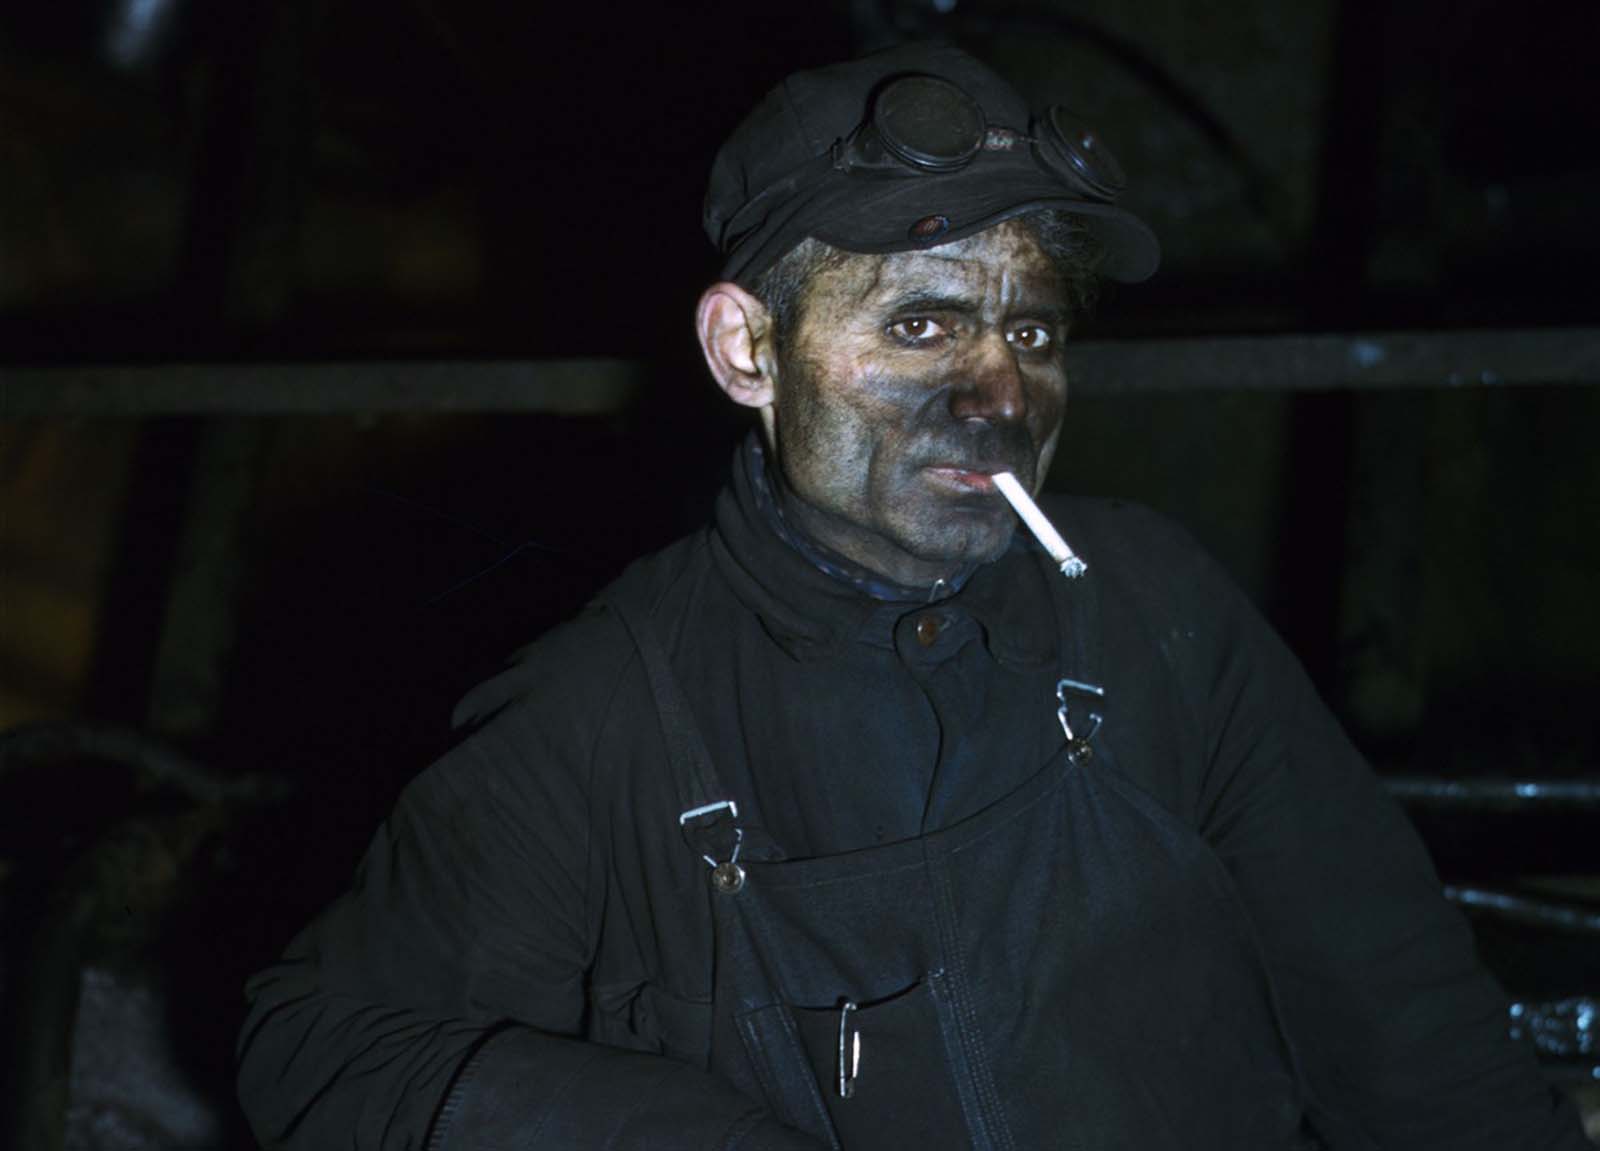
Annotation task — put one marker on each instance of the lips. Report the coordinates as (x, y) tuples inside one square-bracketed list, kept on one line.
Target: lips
[(966, 477), (960, 456)]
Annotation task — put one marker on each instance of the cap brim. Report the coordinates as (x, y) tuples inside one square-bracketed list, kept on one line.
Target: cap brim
[(901, 215)]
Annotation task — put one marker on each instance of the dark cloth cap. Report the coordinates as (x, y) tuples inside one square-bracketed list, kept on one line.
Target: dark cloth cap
[(774, 181)]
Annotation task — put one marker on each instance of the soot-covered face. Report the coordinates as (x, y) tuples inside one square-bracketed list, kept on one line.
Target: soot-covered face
[(912, 378)]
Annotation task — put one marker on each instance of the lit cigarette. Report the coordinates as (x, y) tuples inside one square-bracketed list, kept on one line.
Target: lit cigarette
[(1043, 530)]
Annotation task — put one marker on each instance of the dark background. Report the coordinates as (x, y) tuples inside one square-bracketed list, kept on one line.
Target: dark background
[(259, 508)]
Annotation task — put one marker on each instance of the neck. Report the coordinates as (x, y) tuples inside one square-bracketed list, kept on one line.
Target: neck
[(797, 523), (845, 549), (861, 548)]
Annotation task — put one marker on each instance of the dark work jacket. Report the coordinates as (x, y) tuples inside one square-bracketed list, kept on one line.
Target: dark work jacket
[(525, 957)]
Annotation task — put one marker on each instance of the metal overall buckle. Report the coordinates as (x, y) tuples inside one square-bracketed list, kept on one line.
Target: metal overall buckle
[(727, 876), (1079, 751)]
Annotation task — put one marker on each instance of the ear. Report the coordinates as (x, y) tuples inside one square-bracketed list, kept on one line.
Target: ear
[(736, 336)]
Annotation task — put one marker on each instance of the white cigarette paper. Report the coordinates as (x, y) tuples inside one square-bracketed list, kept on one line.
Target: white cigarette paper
[(1043, 530)]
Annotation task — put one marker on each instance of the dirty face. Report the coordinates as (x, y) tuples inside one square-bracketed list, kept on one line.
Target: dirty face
[(913, 378)]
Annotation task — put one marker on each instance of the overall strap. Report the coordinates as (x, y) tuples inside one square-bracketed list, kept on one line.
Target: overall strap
[(708, 816), (1080, 690)]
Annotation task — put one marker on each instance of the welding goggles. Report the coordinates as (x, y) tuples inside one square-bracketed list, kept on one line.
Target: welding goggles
[(922, 124), (913, 147)]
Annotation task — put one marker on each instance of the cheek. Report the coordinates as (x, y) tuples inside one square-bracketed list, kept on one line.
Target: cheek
[(865, 404), (1048, 404), (1049, 412), (831, 428), (1047, 453)]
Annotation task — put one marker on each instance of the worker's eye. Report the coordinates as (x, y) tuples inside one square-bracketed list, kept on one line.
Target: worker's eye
[(1030, 337), (916, 331)]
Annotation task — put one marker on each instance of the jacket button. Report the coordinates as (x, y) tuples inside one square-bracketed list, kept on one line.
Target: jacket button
[(928, 629)]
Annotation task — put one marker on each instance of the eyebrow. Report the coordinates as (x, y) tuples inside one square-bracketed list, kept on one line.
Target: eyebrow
[(960, 306), (930, 302)]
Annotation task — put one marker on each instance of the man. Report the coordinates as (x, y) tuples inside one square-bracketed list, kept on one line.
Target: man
[(849, 821)]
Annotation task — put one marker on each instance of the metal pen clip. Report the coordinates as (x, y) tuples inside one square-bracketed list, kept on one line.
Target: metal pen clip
[(849, 1052)]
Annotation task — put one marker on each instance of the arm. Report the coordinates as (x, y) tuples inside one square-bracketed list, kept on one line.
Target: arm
[(441, 1001), (1400, 1032)]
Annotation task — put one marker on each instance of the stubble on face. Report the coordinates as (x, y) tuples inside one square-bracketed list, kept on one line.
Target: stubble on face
[(912, 377)]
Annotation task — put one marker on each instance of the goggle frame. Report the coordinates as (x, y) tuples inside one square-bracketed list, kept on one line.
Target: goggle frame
[(926, 125)]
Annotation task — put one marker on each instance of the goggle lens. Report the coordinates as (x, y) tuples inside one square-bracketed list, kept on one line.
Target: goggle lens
[(928, 123), (1074, 150)]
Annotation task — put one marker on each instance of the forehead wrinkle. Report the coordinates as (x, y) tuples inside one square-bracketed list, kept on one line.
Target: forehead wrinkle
[(1000, 269), (999, 265), (932, 278), (986, 289)]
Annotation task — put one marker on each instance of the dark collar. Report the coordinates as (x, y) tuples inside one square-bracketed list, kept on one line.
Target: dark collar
[(812, 600)]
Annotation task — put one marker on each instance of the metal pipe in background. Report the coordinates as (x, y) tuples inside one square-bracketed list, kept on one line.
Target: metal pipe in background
[(1495, 794), (1522, 909), (1483, 358)]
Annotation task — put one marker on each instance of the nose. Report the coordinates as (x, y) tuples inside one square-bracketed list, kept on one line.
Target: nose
[(991, 387)]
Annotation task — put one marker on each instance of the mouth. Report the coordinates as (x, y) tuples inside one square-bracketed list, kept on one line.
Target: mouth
[(965, 479)]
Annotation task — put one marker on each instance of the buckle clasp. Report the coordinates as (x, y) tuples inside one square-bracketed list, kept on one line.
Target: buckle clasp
[(1079, 750), (726, 875)]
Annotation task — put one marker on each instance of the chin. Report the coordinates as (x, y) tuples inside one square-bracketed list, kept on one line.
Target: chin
[(978, 540)]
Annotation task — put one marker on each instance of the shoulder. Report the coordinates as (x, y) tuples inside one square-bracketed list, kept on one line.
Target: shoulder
[(529, 736), (568, 673), (1136, 550), (1164, 602)]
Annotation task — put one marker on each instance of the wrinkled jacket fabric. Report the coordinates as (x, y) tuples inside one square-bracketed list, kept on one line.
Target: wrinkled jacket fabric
[(525, 957)]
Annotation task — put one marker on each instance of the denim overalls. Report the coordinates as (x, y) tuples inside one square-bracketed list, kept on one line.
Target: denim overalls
[(928, 994)]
